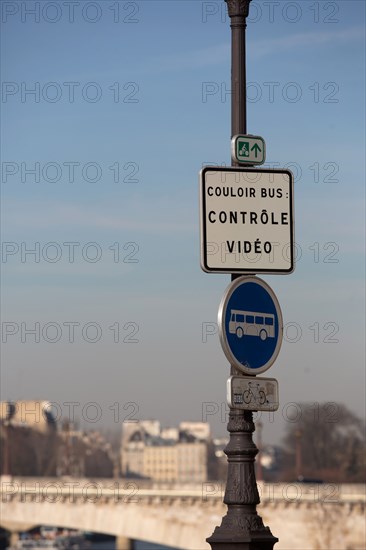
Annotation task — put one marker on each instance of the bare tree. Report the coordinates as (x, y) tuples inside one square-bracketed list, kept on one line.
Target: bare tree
[(325, 441)]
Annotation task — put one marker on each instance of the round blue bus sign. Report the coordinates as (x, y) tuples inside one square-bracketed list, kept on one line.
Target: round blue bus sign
[(250, 325)]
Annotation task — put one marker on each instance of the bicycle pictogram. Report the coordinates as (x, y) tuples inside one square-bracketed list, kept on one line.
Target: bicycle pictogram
[(254, 394)]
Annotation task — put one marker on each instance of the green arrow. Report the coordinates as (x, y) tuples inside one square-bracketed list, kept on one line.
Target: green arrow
[(256, 148)]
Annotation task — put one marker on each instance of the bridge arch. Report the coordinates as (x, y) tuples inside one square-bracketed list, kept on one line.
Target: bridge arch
[(160, 524)]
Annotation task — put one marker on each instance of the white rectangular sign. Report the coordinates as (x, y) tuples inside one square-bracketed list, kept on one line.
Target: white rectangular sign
[(252, 393), (247, 223)]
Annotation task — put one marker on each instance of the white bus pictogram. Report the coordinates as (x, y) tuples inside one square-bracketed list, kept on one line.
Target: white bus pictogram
[(252, 323)]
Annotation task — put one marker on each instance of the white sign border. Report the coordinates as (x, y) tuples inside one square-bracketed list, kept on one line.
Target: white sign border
[(203, 229), (248, 407), (221, 325)]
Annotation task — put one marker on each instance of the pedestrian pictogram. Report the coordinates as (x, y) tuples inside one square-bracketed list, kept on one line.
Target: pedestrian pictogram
[(243, 149), (248, 149)]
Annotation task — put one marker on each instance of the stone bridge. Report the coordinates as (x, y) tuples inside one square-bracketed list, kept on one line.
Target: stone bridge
[(302, 515)]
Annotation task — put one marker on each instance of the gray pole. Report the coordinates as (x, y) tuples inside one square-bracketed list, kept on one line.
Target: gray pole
[(242, 528), (238, 12), (6, 468)]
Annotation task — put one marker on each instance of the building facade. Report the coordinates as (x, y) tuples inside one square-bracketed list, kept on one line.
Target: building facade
[(168, 455)]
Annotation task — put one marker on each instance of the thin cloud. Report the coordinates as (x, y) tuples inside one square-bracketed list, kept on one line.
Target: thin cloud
[(220, 54), (205, 57), (307, 39), (341, 221), (158, 216)]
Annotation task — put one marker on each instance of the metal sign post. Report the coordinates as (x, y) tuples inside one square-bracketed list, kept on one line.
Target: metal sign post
[(250, 328), (242, 528)]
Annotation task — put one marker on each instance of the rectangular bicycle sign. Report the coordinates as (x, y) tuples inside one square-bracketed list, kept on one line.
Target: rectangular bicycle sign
[(252, 393)]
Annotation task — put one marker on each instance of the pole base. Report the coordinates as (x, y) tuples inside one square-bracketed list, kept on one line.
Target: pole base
[(253, 541), (242, 532)]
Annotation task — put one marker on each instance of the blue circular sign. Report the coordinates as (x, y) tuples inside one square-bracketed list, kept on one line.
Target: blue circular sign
[(250, 325)]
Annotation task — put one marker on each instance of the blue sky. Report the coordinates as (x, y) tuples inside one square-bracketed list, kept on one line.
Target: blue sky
[(170, 64)]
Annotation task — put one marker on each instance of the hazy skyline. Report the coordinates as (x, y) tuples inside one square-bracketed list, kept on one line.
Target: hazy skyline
[(109, 111)]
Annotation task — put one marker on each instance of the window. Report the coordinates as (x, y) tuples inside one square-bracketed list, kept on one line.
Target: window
[(240, 318), (269, 321), (250, 318), (259, 320)]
